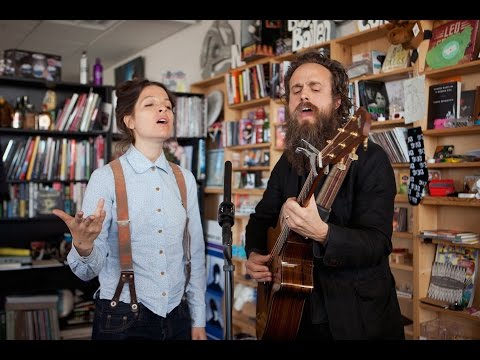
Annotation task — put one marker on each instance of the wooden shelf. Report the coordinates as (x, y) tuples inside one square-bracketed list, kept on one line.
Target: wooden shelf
[(401, 198), (446, 165), (251, 168), (219, 190), (248, 147), (248, 191), (466, 130), (363, 36), (405, 299), (213, 190), (290, 55), (260, 60), (449, 201), (402, 235), (388, 76), (428, 240), (408, 329), (243, 324), (461, 314), (455, 70), (251, 103), (387, 123), (404, 267), (244, 281), (400, 165)]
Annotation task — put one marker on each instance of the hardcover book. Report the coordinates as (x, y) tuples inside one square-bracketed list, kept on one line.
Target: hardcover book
[(397, 58), (374, 97), (455, 42), (443, 103), (467, 103)]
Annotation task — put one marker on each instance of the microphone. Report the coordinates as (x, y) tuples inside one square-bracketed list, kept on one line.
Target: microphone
[(226, 210)]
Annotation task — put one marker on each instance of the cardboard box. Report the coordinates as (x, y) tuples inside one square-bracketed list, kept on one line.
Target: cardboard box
[(32, 65)]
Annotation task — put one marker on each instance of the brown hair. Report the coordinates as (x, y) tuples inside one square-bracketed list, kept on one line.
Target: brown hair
[(127, 94), (337, 71)]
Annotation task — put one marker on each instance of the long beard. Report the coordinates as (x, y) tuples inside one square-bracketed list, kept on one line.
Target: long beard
[(324, 128)]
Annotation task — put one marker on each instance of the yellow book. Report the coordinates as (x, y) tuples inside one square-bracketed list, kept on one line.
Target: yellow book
[(31, 164), (14, 251)]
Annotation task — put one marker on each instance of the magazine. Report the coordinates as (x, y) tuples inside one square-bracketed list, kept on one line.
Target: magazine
[(451, 260)]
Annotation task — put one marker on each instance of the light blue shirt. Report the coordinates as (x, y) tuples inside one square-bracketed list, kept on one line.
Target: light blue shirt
[(157, 220)]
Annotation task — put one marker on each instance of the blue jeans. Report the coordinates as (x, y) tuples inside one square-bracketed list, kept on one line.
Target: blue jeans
[(120, 323)]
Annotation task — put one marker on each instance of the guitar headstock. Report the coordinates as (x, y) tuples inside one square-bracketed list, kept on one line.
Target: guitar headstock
[(352, 134)]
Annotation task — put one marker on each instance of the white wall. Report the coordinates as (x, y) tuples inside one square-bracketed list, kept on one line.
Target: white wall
[(180, 51)]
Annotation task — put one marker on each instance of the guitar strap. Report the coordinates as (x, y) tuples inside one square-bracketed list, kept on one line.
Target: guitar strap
[(125, 248)]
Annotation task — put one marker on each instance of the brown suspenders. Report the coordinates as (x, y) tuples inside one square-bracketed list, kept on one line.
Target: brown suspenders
[(123, 221), (186, 234)]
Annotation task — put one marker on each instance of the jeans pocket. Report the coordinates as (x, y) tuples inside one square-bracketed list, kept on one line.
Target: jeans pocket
[(115, 320)]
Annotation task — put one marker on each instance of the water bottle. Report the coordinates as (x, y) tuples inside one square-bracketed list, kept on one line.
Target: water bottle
[(97, 73), (84, 68)]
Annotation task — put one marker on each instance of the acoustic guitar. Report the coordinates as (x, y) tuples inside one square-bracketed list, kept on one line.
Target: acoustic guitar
[(280, 302)]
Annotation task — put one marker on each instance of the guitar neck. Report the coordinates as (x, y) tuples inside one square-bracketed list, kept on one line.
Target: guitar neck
[(334, 181)]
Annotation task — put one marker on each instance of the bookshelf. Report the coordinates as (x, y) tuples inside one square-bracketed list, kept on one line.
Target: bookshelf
[(21, 222), (432, 212)]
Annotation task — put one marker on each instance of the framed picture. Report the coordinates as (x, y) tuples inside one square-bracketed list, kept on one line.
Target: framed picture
[(133, 69), (215, 272), (214, 324)]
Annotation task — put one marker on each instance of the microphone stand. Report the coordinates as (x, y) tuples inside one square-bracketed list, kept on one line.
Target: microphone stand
[(226, 219)]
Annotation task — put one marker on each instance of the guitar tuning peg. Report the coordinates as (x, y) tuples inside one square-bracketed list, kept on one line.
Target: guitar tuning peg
[(365, 143)]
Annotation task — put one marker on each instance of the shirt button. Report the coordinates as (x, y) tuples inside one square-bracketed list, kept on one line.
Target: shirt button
[(161, 252), (164, 293), (160, 231), (153, 168), (157, 188), (159, 210), (162, 273)]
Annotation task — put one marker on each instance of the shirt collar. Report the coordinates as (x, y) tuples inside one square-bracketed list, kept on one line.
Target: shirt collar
[(140, 163)]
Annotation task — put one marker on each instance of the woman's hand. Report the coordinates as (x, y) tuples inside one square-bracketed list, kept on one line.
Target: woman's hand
[(84, 230)]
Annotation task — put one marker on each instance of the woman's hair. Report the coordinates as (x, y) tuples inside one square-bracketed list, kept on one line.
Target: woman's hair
[(127, 94), (337, 71)]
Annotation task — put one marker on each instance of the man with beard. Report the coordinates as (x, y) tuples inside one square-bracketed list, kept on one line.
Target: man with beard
[(354, 293)]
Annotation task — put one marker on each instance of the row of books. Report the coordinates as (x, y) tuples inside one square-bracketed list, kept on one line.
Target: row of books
[(32, 317), (456, 236), (248, 84), (84, 112), (278, 71), (190, 117), (242, 132), (394, 142), (450, 106), (28, 200), (400, 219), (49, 159)]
